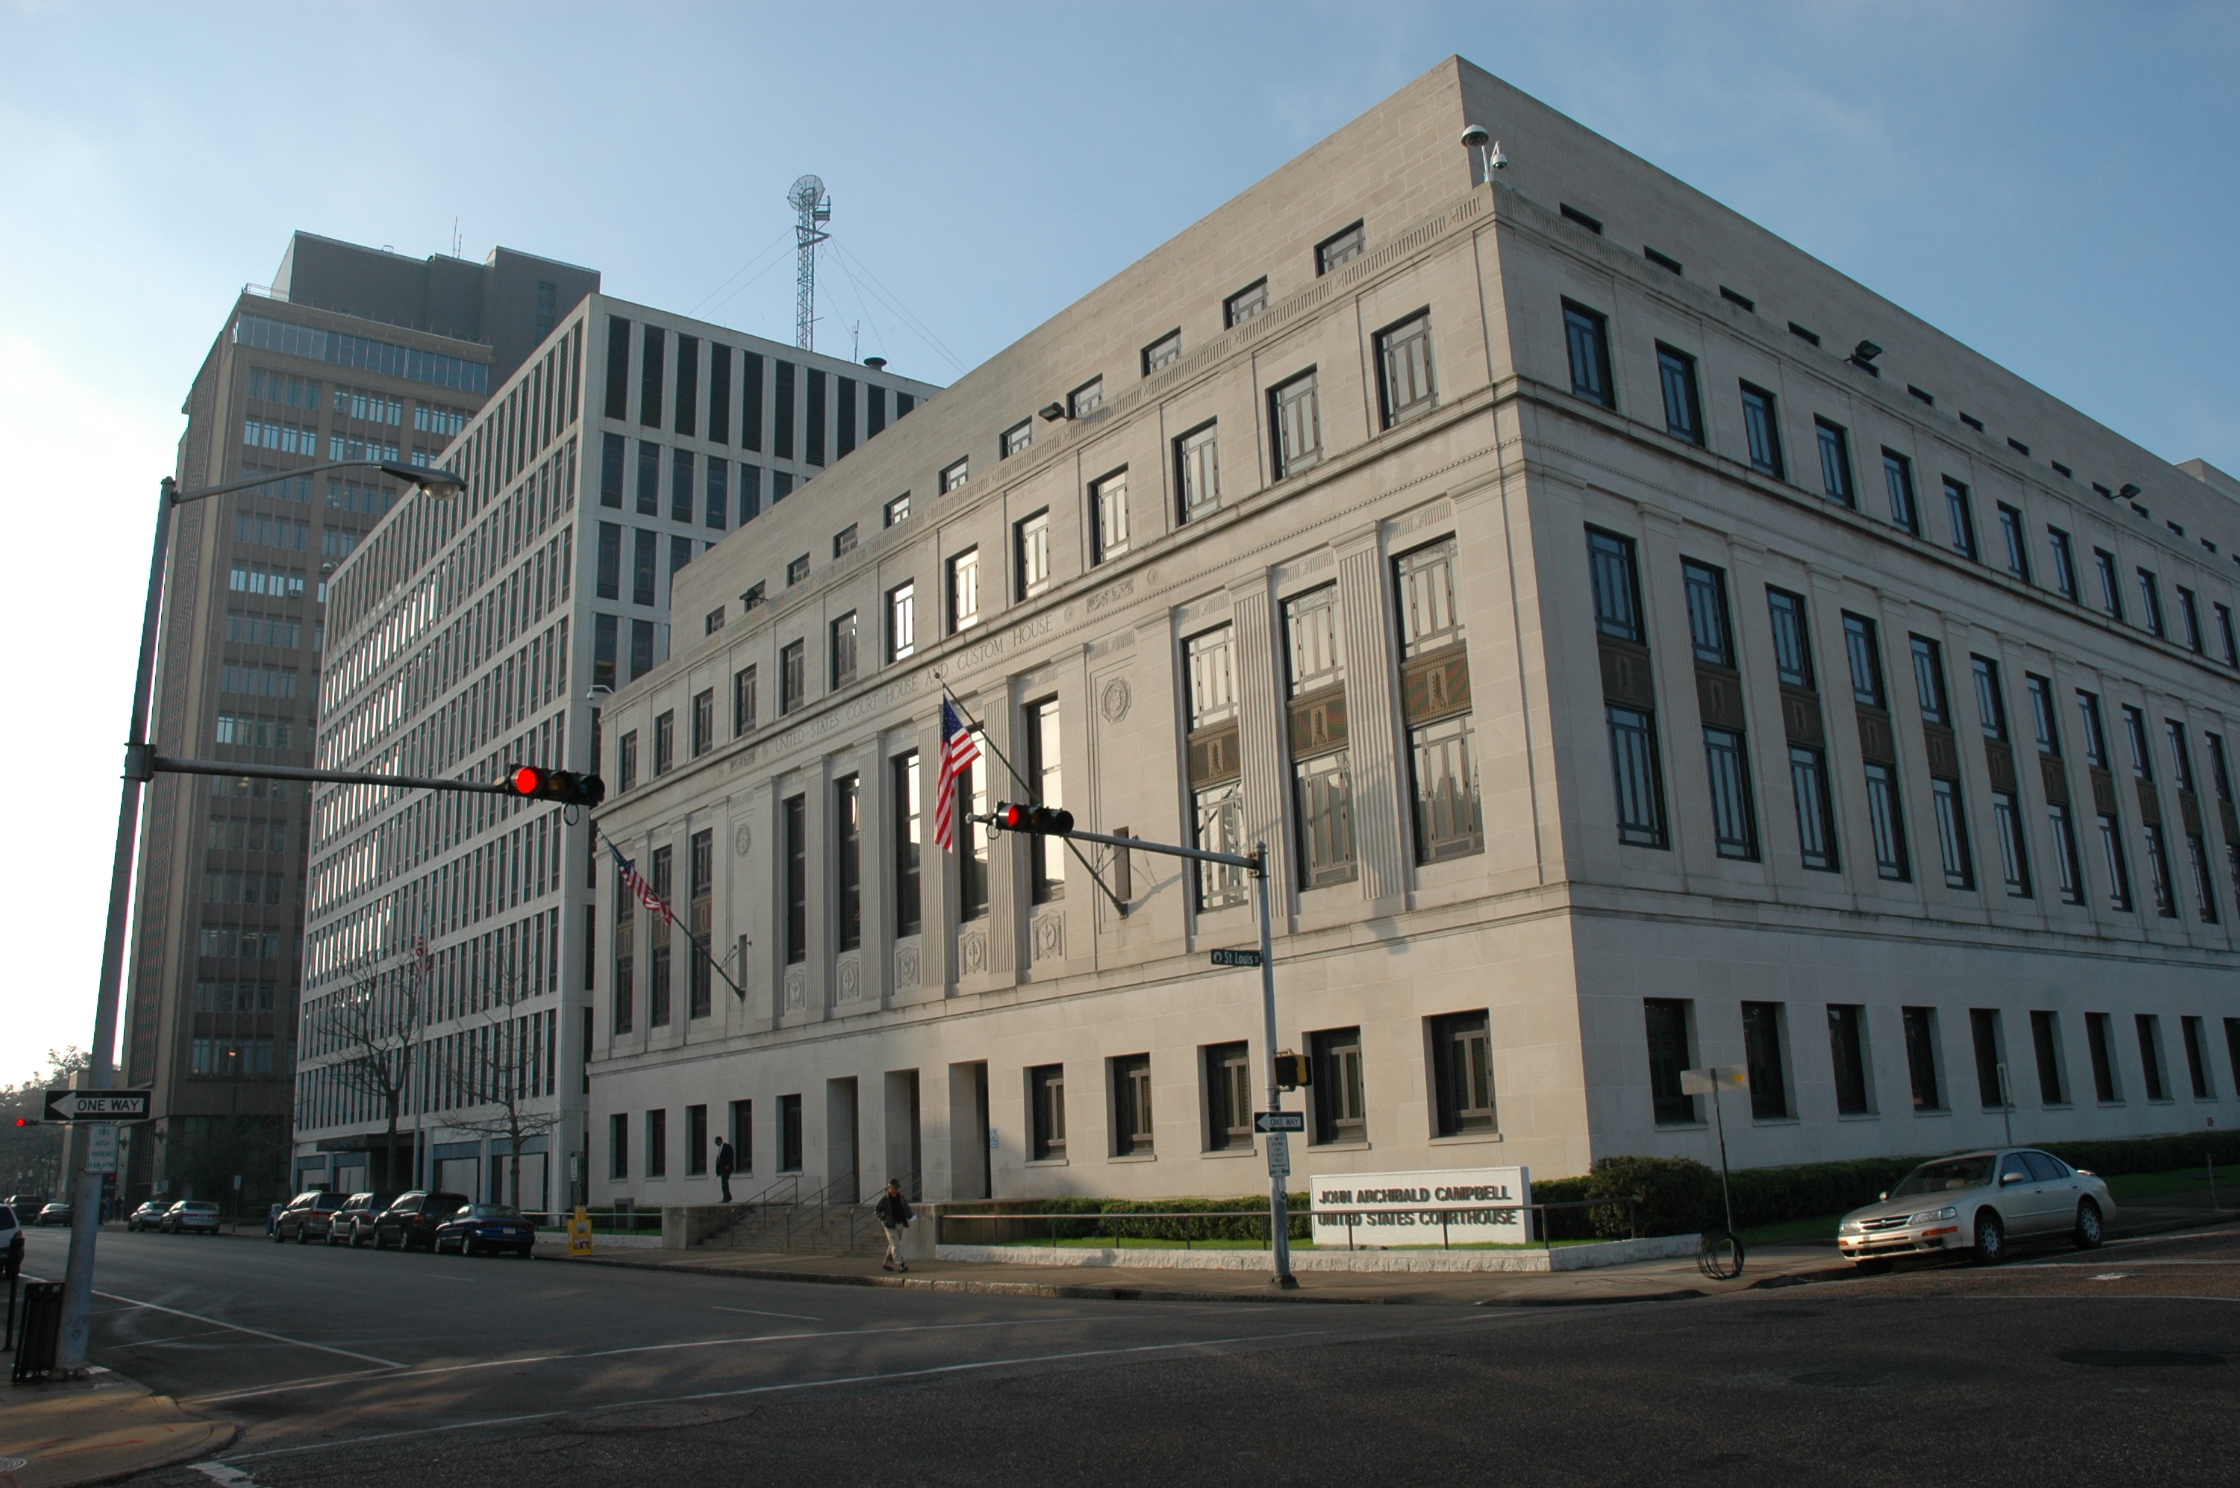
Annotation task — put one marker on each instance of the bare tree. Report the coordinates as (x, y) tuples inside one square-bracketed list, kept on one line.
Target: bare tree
[(376, 1024), (31, 1156), (503, 1074)]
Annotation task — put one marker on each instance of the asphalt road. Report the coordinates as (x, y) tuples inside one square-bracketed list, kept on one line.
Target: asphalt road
[(2118, 1366)]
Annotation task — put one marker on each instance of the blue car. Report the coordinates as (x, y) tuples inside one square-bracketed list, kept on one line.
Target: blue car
[(478, 1229)]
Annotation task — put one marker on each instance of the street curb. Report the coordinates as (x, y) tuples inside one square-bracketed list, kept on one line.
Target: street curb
[(205, 1437), (1681, 1295), (992, 1288)]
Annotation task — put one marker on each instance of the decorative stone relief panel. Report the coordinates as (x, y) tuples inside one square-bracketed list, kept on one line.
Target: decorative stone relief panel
[(906, 955), (1048, 936), (797, 988), (972, 950), (848, 978)]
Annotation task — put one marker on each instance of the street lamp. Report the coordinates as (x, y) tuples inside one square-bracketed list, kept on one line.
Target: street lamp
[(85, 1217)]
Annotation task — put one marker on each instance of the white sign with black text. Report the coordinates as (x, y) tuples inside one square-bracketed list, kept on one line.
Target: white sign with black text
[(1459, 1206)]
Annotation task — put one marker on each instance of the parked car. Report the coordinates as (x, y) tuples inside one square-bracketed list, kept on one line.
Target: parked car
[(198, 1216), (352, 1224), (410, 1223), (1979, 1202), (53, 1214), (492, 1228), (11, 1242), (307, 1216), (147, 1216)]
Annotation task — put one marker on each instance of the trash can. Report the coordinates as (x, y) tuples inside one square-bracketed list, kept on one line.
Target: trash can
[(40, 1332)]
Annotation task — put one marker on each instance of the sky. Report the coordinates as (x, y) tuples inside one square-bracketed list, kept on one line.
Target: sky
[(2053, 184)]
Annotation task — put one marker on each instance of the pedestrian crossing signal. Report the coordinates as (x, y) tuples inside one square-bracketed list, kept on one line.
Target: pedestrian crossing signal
[(1293, 1071), (536, 783)]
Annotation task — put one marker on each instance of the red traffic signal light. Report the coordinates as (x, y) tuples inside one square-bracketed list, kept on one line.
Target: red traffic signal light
[(1052, 821), (536, 783), (26, 1121)]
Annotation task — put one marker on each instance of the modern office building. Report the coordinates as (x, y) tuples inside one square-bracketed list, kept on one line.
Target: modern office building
[(447, 936), (351, 353), (1640, 647)]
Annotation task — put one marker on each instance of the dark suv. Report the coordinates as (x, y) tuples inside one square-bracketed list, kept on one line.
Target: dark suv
[(352, 1224), (307, 1217), (410, 1223)]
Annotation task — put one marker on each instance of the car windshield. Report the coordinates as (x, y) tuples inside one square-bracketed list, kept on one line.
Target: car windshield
[(199, 1208), (1945, 1176)]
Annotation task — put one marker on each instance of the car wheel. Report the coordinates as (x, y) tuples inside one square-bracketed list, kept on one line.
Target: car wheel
[(278, 1238), (2088, 1234), (303, 1234), (466, 1245), (1991, 1240)]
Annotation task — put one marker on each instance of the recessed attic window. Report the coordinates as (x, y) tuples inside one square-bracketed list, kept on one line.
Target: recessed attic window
[(2065, 470), (2103, 490), (2017, 445), (1743, 300), (1661, 260), (2212, 547), (1924, 397), (1798, 330), (2174, 527), (1973, 423), (1573, 214)]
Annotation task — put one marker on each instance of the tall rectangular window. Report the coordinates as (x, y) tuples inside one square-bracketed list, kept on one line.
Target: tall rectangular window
[(1295, 417), (1616, 585), (2158, 870), (2042, 719), (2150, 604), (2119, 873), (625, 954), (794, 844), (1131, 1105), (1991, 1057), (2111, 589), (1683, 410), (659, 942), (1637, 778), (2197, 1058), (2064, 564), (2204, 884), (1108, 505), (789, 1126), (1197, 465), (1229, 1103), (1734, 823), (653, 357), (664, 742), (972, 838), (1708, 627), (1031, 542), (2095, 736), (626, 762), (1046, 874), (2152, 1072), (902, 621), (1339, 1098), (1436, 705), (1215, 770), (1897, 478), (719, 494), (909, 829), (1587, 336), (1952, 834), (1886, 821), (696, 1141), (649, 478), (1762, 1046), (1991, 705), (1865, 656), (1462, 1074), (680, 486), (847, 862), (610, 560), (614, 457), (2067, 867), (703, 721), (1962, 518), (1792, 650), (2017, 546), (1670, 1051), (701, 871), (1921, 1058), (1835, 462), (618, 367), (2227, 641), (645, 566), (618, 1143), (964, 590), (2099, 1035), (1046, 1113), (742, 701), (719, 393), (841, 645), (1404, 369), (2181, 758), (2189, 620), (2045, 1043), (1816, 828), (1928, 680), (2135, 736), (2014, 861), (793, 676), (1847, 1049), (1317, 738), (1763, 431)]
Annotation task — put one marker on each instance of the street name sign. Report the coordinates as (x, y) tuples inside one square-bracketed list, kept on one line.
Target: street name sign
[(1280, 1121), (1226, 957), (97, 1105), (1713, 1079)]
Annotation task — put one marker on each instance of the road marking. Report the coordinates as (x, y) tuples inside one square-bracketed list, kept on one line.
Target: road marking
[(758, 1312), (219, 1472), (253, 1332), (853, 1379), (2095, 1297)]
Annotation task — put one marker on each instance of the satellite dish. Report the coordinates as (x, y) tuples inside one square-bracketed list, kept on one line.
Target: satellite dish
[(806, 194)]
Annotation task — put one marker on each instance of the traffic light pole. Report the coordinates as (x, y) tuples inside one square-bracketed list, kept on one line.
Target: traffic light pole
[(1279, 1145)]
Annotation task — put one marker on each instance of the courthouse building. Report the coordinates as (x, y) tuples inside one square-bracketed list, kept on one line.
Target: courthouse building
[(446, 940), (1640, 647)]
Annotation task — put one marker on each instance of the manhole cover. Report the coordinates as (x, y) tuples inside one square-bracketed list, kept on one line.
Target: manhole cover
[(646, 1418), (2138, 1358)]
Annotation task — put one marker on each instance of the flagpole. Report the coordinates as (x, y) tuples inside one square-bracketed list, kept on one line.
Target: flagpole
[(1024, 784)]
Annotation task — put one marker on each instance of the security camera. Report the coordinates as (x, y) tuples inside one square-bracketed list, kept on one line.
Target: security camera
[(1475, 135)]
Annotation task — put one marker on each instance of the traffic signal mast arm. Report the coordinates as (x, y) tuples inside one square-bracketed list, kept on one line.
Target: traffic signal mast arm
[(1008, 817), (585, 790)]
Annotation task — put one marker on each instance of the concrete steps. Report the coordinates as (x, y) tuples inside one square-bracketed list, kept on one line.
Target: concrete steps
[(800, 1229)]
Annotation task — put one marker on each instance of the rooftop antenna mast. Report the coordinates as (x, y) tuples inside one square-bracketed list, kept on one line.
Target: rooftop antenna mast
[(813, 209)]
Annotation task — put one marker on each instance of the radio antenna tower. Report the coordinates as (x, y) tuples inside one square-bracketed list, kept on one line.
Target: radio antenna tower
[(814, 209)]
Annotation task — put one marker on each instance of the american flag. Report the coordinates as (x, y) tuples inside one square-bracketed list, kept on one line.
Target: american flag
[(959, 749), (425, 958), (636, 883)]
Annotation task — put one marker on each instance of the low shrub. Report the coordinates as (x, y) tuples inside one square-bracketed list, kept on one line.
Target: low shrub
[(1222, 1219)]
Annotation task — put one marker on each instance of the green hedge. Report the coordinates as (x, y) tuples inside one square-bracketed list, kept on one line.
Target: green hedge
[(1226, 1219), (1678, 1195)]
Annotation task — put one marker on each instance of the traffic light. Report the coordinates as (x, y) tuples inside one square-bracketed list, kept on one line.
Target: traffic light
[(536, 783), (1053, 821), (1293, 1071), (27, 1121)]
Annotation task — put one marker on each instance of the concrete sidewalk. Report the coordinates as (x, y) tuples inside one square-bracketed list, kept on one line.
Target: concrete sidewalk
[(71, 1432), (1642, 1281)]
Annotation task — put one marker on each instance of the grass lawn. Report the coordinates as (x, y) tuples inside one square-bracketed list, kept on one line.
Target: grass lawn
[(2183, 1181)]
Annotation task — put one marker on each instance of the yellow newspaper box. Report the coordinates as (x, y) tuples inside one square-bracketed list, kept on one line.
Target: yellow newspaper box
[(579, 1233)]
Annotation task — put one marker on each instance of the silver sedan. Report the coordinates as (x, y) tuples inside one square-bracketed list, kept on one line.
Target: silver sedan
[(1979, 1201)]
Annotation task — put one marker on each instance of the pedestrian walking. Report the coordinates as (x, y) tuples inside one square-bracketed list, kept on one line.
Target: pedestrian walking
[(894, 1214), (726, 1164)]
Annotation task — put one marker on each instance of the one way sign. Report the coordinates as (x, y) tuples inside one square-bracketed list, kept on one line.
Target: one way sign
[(97, 1105)]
